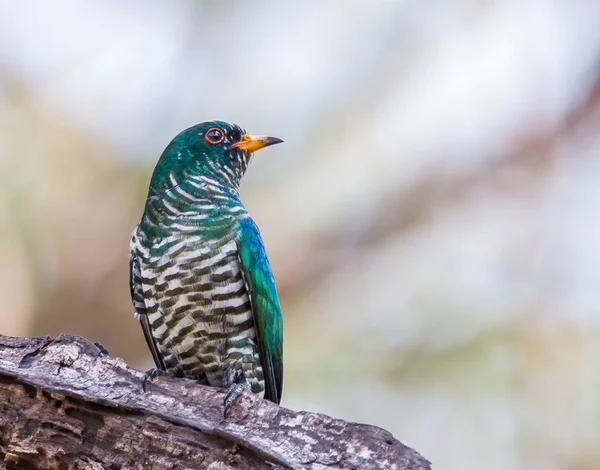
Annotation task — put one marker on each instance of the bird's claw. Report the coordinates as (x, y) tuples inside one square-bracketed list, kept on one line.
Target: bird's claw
[(233, 392), (101, 349), (153, 373)]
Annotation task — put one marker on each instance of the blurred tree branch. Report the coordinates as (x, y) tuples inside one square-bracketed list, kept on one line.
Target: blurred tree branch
[(441, 187), (65, 402)]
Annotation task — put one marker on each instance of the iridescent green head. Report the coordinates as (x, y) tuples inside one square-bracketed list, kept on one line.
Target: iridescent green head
[(212, 151)]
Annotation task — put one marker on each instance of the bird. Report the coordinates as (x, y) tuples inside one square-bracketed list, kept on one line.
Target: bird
[(201, 283)]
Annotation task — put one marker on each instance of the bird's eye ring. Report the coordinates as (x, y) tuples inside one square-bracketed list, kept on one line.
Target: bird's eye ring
[(214, 136)]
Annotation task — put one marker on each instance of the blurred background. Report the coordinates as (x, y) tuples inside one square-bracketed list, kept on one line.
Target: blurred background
[(432, 218)]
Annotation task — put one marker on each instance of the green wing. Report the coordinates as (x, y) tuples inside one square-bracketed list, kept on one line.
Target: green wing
[(265, 306)]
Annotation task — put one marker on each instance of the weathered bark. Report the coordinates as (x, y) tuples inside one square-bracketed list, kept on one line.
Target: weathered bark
[(64, 403)]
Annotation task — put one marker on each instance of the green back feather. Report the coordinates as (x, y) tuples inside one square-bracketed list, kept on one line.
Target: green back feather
[(265, 306)]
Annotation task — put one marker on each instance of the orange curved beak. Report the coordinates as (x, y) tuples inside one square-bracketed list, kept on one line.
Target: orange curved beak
[(252, 143)]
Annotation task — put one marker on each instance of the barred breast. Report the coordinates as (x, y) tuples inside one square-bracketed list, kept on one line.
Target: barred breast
[(199, 309)]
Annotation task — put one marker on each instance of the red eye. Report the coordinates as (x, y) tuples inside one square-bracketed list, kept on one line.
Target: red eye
[(214, 136)]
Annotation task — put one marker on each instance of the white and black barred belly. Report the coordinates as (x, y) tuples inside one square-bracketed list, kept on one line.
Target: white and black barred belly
[(199, 308)]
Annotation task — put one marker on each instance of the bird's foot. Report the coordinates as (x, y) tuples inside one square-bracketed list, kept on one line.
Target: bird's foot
[(153, 373), (233, 392), (103, 351)]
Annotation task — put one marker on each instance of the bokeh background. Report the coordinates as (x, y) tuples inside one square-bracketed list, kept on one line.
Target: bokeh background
[(432, 219)]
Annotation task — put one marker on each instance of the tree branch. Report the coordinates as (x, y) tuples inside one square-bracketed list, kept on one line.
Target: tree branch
[(64, 403)]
